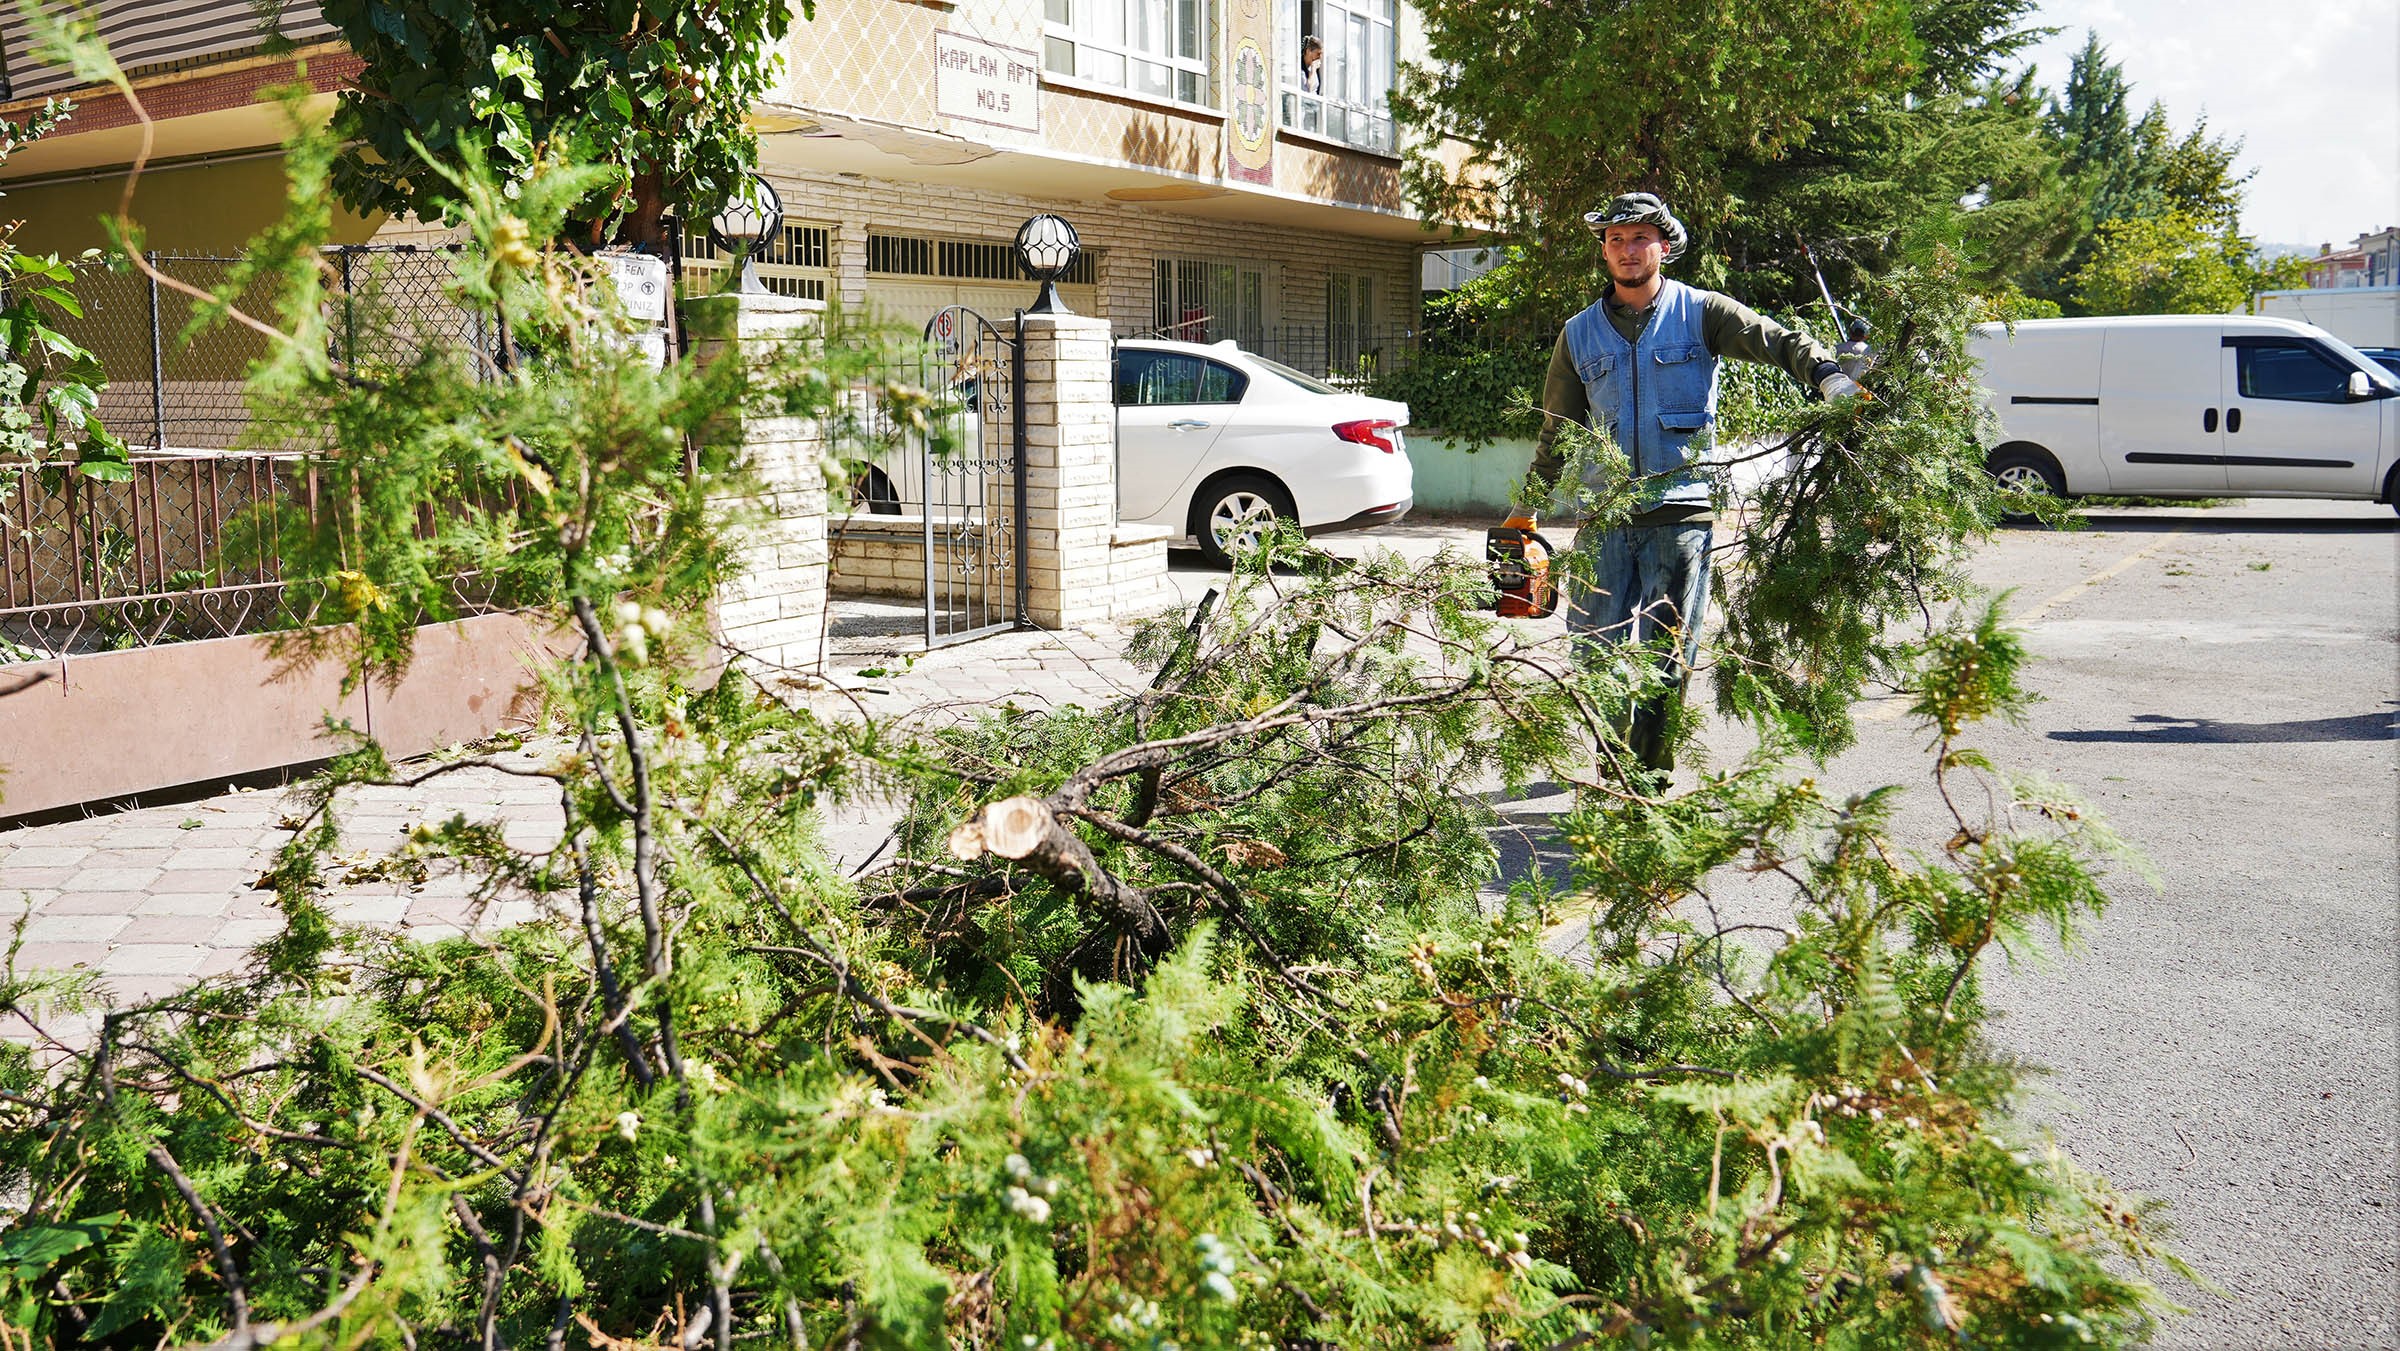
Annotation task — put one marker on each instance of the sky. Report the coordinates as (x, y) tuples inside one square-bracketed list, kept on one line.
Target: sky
[(2311, 86)]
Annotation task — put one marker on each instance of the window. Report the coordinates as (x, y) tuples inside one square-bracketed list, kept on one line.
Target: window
[(797, 263), (1349, 323), (1153, 47), (1202, 300), (2282, 369), (962, 259), (1147, 378), (1338, 59)]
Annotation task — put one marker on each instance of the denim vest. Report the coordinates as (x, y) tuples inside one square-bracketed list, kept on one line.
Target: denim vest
[(1655, 396)]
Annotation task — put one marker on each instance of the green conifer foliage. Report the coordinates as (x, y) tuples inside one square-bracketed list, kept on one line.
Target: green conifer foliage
[(1178, 1022)]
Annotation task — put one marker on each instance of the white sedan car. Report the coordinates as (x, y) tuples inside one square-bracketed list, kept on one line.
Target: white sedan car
[(1216, 442), (1212, 442)]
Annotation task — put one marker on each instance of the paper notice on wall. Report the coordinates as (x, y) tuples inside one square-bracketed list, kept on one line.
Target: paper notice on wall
[(979, 81), (641, 282)]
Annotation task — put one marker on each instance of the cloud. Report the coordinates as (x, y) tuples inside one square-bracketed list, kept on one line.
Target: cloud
[(2312, 87)]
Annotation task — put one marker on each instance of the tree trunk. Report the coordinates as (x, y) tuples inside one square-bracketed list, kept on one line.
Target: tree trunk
[(1026, 830), (645, 225)]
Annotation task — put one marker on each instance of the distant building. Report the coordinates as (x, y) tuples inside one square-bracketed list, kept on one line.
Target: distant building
[(2382, 250), (2372, 259)]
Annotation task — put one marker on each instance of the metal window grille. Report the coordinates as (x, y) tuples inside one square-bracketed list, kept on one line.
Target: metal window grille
[(797, 262), (1349, 319), (1207, 300), (962, 260)]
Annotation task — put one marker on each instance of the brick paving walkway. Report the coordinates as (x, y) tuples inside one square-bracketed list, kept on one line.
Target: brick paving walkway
[(151, 898)]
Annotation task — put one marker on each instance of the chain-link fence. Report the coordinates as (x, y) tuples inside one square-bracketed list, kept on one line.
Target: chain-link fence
[(173, 387), (186, 547)]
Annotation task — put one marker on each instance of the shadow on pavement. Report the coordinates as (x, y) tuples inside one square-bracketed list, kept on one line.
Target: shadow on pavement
[(1527, 838), (2164, 730)]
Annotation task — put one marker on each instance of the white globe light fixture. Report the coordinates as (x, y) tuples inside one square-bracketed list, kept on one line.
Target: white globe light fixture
[(1046, 248), (752, 215)]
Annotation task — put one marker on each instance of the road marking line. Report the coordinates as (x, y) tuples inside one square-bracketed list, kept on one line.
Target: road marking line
[(2098, 577), (1893, 708)]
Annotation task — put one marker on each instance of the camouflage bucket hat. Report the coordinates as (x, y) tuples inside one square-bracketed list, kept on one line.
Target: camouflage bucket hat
[(1639, 208)]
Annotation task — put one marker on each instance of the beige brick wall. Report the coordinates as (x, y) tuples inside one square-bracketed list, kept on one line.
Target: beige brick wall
[(877, 564)]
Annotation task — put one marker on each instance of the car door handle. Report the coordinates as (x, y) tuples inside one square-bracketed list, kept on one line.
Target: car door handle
[(2233, 419), (2208, 420), (1187, 424)]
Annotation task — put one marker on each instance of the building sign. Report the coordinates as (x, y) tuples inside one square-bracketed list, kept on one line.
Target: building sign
[(979, 81)]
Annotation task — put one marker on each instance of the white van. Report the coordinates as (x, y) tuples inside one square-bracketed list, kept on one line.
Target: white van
[(2198, 405)]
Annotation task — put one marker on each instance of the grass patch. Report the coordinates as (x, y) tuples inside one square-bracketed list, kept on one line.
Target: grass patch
[(2091, 500)]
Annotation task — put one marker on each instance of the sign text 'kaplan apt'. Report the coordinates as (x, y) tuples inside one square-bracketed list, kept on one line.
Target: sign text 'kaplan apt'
[(980, 81)]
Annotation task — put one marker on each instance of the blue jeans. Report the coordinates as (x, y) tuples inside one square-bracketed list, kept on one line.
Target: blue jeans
[(1647, 582)]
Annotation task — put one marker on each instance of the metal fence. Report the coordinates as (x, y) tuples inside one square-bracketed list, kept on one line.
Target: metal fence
[(1347, 355), (188, 547), (957, 509), (174, 387), (88, 566)]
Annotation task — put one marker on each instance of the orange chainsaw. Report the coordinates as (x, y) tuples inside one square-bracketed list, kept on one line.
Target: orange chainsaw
[(1520, 562)]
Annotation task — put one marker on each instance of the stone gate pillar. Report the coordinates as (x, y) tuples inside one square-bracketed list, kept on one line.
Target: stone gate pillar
[(772, 611), (1081, 565)]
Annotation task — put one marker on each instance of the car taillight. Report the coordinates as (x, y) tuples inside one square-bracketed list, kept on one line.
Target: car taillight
[(1369, 432)]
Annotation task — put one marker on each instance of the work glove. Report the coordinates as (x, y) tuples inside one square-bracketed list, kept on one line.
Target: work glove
[(1840, 388)]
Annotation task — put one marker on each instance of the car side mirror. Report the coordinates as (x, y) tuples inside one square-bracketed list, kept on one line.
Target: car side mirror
[(2360, 386)]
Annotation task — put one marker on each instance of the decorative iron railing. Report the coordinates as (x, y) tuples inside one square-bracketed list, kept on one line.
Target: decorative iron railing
[(188, 547), (90, 566)]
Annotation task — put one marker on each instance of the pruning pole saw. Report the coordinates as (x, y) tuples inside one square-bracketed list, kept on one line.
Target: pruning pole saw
[(1854, 355)]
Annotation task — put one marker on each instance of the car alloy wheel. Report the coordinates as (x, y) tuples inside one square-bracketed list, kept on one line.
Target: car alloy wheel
[(1239, 513), (2023, 478), (1240, 520)]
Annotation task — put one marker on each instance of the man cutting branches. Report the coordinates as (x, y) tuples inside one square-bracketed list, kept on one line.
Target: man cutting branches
[(1640, 366)]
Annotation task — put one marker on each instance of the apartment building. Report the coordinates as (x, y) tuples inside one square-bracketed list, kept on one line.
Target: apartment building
[(1232, 165), (2373, 259)]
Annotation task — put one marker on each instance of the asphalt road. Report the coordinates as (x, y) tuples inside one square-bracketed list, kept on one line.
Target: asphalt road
[(2222, 686)]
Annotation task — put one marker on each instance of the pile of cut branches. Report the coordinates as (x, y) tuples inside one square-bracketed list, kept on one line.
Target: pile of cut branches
[(1192, 1020)]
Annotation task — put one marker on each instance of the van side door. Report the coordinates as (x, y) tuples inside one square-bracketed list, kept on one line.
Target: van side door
[(2161, 421), (2291, 427)]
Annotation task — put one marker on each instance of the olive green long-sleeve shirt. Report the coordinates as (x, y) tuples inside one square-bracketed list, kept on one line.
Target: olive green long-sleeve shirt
[(1730, 329)]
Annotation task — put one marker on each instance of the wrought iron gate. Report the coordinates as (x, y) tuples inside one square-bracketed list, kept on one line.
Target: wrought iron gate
[(974, 500)]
